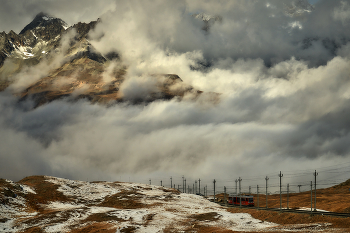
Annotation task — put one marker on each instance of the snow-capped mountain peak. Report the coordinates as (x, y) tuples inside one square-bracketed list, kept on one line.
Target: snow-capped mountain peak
[(43, 20), (207, 17), (208, 20), (298, 8)]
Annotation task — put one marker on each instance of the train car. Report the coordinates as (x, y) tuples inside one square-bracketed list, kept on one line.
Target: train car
[(243, 200)]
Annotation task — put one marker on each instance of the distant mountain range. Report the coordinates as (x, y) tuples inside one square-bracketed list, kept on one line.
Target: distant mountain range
[(78, 74)]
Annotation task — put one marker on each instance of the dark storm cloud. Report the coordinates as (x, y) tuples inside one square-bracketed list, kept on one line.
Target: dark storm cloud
[(291, 113), (248, 29)]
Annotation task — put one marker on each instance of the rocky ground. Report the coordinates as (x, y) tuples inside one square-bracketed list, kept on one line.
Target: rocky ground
[(50, 204)]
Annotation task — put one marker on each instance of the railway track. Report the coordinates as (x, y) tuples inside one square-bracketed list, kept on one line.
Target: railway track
[(334, 214)]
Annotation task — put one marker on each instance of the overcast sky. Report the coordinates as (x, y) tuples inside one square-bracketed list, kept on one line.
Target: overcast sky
[(284, 89), (15, 15)]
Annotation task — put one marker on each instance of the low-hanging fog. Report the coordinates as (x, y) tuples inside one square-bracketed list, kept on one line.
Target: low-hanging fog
[(283, 77)]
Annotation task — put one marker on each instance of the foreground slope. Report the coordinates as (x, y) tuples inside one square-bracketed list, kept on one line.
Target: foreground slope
[(49, 204)]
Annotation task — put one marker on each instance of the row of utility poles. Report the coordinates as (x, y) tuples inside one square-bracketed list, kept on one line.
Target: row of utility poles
[(239, 181), (280, 175), (186, 189)]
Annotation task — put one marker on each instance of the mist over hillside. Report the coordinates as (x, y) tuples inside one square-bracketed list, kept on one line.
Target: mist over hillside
[(279, 71)]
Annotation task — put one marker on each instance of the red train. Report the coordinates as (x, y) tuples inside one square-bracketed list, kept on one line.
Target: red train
[(243, 200)]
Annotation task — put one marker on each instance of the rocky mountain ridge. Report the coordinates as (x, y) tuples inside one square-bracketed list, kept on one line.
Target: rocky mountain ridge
[(41, 35), (79, 71)]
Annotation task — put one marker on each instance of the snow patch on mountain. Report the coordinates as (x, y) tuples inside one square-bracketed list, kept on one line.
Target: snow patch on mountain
[(207, 17), (298, 8), (208, 20)]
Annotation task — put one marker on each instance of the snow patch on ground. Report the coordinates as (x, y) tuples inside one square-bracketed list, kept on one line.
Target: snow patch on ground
[(97, 209), (64, 226), (14, 210), (86, 191), (25, 188), (61, 206), (308, 209), (28, 189), (8, 226)]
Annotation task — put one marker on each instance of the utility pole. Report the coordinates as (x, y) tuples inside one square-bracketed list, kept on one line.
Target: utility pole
[(188, 189), (206, 190), (287, 196), (193, 189), (214, 189), (299, 187), (315, 174), (311, 196), (249, 190), (171, 182), (240, 197), (257, 193), (185, 185), (174, 186), (195, 186), (225, 196), (266, 190), (161, 183), (236, 186), (178, 187), (280, 175), (199, 183), (150, 182)]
